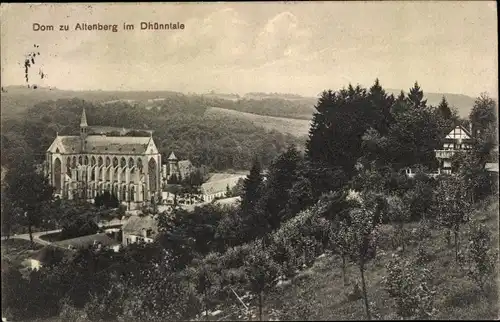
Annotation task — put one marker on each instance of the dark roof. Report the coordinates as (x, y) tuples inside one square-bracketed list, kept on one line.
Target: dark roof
[(86, 241), (106, 144), (136, 224)]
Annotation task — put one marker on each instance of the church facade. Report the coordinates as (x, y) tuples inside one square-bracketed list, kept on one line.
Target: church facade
[(89, 164)]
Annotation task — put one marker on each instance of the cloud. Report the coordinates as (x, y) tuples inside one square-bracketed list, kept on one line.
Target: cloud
[(282, 36)]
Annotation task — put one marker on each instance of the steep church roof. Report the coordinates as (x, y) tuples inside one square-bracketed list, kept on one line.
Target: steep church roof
[(103, 144), (83, 120)]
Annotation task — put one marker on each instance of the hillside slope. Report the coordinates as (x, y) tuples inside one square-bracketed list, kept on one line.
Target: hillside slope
[(318, 292), (295, 127)]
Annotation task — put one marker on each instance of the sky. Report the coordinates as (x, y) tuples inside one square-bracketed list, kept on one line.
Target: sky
[(286, 47)]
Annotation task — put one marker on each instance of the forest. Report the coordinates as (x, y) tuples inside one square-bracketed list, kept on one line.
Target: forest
[(336, 232), (179, 125)]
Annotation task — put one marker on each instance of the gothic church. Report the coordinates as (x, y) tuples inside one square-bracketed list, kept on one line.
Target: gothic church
[(91, 163)]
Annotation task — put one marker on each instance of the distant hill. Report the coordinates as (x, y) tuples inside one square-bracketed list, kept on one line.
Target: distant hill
[(15, 99)]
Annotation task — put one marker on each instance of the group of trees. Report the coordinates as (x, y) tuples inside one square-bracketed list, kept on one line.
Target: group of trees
[(335, 197), (180, 126)]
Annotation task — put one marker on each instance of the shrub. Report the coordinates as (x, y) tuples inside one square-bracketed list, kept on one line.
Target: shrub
[(285, 255), (410, 286), (480, 259), (423, 256), (262, 273)]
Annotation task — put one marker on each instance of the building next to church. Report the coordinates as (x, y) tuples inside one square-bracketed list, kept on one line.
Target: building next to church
[(180, 169), (95, 161), (459, 139)]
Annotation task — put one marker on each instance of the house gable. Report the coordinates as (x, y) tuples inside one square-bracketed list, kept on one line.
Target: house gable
[(459, 133)]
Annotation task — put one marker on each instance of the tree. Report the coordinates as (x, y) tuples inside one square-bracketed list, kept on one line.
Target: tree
[(206, 279), (262, 272), (444, 109), (400, 104), (410, 286), (276, 191), (453, 206), (470, 169), (28, 190), (252, 188), (252, 215), (9, 214), (399, 214), (78, 221), (416, 97), (335, 135), (482, 114), (335, 207), (381, 103), (359, 234), (480, 258)]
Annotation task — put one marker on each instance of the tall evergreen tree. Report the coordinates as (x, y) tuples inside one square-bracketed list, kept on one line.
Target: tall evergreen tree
[(251, 214), (381, 104), (416, 97), (444, 109), (282, 176), (252, 187), (335, 136)]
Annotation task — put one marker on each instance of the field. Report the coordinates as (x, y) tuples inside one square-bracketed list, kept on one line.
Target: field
[(318, 293), (290, 126)]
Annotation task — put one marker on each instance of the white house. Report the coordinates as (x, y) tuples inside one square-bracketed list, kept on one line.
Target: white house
[(459, 139)]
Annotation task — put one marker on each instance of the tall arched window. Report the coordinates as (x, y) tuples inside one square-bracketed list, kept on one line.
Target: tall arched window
[(99, 161), (124, 193), (68, 166), (152, 174), (139, 165), (57, 175), (132, 193)]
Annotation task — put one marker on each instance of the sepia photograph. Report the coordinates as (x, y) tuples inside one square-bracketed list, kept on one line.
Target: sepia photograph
[(249, 161)]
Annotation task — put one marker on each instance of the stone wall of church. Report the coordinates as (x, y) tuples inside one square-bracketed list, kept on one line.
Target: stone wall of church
[(133, 179)]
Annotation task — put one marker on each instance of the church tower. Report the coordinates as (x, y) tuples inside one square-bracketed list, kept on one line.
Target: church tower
[(173, 166), (83, 130)]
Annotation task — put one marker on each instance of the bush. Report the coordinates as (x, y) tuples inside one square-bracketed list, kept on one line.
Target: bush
[(285, 255), (410, 286), (480, 259), (423, 256)]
